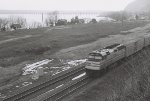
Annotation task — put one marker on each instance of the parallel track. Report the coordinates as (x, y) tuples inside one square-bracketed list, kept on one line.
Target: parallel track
[(64, 91), (71, 89), (38, 88)]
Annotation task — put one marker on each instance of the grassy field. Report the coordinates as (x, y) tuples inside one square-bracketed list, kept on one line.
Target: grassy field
[(26, 46), (30, 44)]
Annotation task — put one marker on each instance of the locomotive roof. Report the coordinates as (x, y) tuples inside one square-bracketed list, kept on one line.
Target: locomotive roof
[(105, 51), (112, 46)]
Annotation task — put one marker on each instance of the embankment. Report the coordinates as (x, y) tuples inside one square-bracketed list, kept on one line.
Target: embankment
[(129, 80)]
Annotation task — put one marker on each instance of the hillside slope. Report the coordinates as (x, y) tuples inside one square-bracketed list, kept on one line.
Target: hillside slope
[(139, 6), (128, 81)]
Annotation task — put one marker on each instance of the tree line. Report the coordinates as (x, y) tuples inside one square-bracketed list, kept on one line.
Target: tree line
[(52, 20)]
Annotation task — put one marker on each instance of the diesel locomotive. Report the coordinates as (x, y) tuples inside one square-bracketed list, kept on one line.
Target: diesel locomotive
[(100, 59)]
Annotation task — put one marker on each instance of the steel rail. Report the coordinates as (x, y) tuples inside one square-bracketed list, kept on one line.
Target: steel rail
[(34, 89)]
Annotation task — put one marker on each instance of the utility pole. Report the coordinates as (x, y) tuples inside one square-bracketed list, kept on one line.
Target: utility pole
[(42, 20), (122, 18), (55, 14)]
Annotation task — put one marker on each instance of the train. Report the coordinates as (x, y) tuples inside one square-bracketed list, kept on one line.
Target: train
[(99, 60)]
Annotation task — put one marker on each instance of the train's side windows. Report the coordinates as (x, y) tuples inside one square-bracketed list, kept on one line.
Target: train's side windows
[(98, 57)]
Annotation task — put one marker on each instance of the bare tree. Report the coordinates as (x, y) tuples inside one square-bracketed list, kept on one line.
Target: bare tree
[(21, 21), (51, 19), (17, 20), (3, 22), (36, 25)]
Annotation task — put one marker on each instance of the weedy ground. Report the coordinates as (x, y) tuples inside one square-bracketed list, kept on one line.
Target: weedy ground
[(129, 80), (47, 40)]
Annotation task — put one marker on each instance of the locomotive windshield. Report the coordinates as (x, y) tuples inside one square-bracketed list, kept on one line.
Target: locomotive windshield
[(95, 57)]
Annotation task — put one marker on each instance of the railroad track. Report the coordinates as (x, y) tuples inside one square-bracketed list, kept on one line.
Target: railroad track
[(63, 91), (38, 89)]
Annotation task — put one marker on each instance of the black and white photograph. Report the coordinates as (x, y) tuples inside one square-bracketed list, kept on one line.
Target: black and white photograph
[(74, 50)]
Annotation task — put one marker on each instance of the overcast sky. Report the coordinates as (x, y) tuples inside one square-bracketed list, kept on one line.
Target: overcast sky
[(104, 5)]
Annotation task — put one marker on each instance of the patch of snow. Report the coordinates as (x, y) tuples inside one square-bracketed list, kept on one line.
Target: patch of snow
[(54, 89), (56, 67), (57, 72), (46, 67), (31, 68), (66, 67), (77, 77), (76, 62), (63, 68), (50, 90), (45, 72), (60, 86), (26, 83), (17, 86)]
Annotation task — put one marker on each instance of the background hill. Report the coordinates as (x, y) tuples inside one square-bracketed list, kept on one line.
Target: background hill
[(139, 6)]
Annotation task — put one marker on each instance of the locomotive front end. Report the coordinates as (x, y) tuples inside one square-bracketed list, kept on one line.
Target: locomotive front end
[(93, 64)]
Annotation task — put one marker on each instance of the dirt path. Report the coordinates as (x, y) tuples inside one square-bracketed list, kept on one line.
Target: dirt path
[(13, 39), (57, 28)]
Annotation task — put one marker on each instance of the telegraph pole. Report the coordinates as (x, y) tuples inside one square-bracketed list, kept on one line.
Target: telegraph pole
[(122, 18), (42, 20), (55, 14)]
